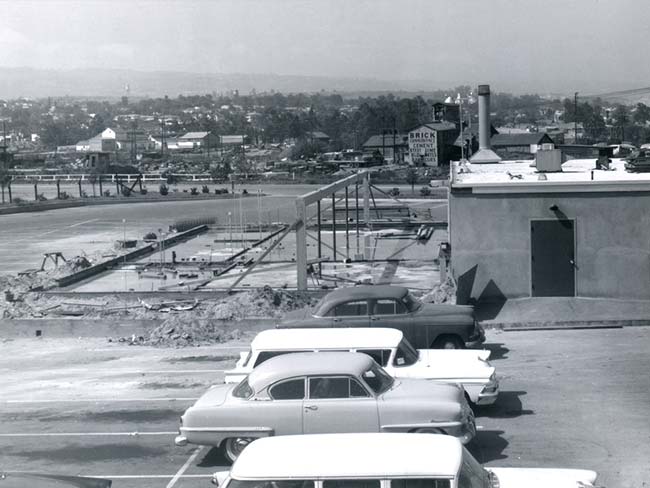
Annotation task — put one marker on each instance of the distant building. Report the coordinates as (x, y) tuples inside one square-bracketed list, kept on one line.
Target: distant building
[(392, 147), (432, 144), (198, 140), (231, 140), (527, 143), (318, 136)]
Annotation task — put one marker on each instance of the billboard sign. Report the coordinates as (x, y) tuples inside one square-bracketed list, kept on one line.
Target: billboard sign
[(423, 146)]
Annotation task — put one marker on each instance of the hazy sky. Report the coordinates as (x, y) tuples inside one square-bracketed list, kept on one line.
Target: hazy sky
[(516, 45)]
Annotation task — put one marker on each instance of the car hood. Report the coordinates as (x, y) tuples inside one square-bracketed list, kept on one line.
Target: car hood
[(453, 363), (544, 477), (413, 389), (215, 396), (441, 309)]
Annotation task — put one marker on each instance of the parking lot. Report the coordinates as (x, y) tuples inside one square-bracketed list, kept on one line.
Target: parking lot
[(568, 398)]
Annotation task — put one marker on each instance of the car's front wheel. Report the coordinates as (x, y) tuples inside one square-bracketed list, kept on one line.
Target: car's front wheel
[(233, 447), (448, 342)]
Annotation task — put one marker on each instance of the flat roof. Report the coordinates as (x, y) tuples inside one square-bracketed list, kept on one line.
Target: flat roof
[(577, 175), (335, 338), (308, 363), (372, 455)]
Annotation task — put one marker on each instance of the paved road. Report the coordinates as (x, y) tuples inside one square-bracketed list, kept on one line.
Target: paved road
[(575, 399), (25, 237)]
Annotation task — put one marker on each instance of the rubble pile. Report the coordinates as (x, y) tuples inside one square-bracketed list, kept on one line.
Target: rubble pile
[(182, 331), (261, 302), (441, 293)]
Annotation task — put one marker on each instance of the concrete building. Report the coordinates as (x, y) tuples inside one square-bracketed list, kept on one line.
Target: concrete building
[(522, 143), (518, 231)]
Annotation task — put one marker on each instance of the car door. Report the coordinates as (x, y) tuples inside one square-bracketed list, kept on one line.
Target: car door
[(282, 409), (353, 313), (339, 404), (392, 313)]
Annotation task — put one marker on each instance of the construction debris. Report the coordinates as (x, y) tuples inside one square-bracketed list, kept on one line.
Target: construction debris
[(441, 293)]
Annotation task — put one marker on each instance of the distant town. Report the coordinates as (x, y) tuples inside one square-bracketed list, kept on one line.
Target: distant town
[(287, 136)]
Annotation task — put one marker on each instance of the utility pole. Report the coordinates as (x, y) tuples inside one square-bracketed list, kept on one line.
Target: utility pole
[(575, 117), (162, 137), (4, 145)]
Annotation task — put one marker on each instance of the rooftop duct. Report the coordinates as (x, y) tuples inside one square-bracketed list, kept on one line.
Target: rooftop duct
[(484, 154)]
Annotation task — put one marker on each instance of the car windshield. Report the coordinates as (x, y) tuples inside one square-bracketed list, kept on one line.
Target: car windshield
[(405, 355), (472, 474), (242, 390), (412, 303), (377, 379)]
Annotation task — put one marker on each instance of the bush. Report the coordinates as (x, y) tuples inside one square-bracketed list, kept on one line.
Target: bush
[(143, 191), (64, 195), (18, 201), (425, 191), (244, 191), (205, 189), (41, 198), (394, 192), (194, 191), (84, 194), (150, 236), (163, 189), (221, 191), (107, 193)]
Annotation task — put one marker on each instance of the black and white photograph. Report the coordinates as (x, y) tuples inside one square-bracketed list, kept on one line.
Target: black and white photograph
[(324, 244)]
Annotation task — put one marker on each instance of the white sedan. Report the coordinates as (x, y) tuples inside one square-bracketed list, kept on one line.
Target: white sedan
[(388, 348)]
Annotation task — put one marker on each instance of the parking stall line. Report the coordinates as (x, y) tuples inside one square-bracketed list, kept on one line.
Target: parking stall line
[(86, 434), (100, 400), (187, 464)]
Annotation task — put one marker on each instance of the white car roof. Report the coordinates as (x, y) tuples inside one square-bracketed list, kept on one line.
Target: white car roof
[(334, 338), (371, 455)]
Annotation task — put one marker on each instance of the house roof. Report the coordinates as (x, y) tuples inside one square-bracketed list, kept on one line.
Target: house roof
[(437, 126), (194, 135), (526, 139), (342, 456), (317, 134), (387, 140)]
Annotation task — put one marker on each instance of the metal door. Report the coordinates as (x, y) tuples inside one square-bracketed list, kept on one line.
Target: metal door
[(552, 254)]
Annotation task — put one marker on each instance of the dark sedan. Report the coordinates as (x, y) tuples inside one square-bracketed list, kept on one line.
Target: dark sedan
[(425, 325)]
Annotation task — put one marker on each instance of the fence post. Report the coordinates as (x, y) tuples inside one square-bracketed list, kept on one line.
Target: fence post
[(58, 189), (35, 192)]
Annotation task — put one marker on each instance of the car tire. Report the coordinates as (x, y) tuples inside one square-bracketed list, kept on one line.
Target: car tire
[(448, 342), (428, 430), (233, 447)]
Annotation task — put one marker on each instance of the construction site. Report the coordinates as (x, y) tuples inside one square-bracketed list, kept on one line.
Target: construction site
[(248, 262)]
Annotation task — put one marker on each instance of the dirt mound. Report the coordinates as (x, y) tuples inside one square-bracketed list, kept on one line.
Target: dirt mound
[(262, 302), (179, 331)]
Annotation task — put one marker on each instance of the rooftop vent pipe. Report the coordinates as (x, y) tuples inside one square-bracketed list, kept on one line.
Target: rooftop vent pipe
[(484, 154)]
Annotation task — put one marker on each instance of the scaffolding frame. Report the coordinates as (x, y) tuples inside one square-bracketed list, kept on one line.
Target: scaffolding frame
[(304, 201)]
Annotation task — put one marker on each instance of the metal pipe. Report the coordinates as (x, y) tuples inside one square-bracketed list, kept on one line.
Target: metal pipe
[(484, 116), (347, 222)]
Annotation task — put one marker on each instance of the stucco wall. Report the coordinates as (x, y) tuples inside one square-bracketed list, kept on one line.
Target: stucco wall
[(490, 242)]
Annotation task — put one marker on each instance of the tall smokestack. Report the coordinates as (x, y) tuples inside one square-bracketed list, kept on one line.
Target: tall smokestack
[(485, 154)]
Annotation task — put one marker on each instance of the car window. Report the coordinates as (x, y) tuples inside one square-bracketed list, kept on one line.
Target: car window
[(419, 483), (266, 355), (351, 483), (242, 390), (358, 307), (271, 483), (405, 355), (379, 355), (377, 379), (388, 306), (288, 390), (412, 303), (321, 387)]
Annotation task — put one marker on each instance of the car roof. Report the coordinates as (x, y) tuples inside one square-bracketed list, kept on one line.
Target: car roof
[(376, 455), (360, 293), (308, 363), (334, 338)]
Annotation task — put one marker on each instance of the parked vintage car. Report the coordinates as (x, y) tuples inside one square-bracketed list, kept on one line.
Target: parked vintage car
[(310, 393), (381, 461), (425, 325), (388, 347)]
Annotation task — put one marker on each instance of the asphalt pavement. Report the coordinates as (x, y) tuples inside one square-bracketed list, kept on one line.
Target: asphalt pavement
[(571, 398)]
